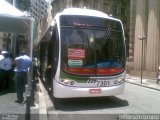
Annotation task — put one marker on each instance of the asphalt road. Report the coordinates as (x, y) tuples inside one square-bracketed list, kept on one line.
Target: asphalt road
[(134, 100)]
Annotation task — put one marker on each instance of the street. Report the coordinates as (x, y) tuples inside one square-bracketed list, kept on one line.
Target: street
[(134, 100)]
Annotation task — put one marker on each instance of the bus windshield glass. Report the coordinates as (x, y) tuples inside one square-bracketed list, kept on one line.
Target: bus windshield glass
[(91, 46)]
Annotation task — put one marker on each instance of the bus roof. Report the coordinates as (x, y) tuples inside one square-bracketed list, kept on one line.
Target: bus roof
[(84, 12)]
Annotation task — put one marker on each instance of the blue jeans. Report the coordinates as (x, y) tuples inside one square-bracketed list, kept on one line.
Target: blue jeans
[(20, 81)]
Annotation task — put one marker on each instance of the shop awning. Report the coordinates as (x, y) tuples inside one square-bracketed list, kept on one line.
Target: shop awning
[(13, 20)]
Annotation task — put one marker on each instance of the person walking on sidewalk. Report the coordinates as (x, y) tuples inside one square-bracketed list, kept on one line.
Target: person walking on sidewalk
[(23, 62)]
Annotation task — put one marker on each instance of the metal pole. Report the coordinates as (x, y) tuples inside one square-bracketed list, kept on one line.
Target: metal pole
[(12, 41), (31, 39), (142, 38), (29, 93), (158, 70), (31, 55), (14, 3), (13, 35), (142, 62)]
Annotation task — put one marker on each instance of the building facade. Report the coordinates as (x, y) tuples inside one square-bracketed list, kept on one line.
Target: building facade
[(117, 8), (144, 42), (38, 9), (3, 39)]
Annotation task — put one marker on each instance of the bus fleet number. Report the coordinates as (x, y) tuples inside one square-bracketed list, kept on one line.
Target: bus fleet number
[(103, 83)]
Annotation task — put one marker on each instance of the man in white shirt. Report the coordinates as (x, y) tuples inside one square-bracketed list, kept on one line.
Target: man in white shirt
[(7, 67)]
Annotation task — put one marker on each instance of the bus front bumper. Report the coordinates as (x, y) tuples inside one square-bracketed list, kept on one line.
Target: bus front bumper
[(61, 91)]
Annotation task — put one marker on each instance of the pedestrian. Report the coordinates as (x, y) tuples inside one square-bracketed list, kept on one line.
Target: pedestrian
[(7, 68), (22, 63), (1, 70)]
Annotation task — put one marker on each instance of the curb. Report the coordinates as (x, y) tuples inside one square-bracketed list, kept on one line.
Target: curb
[(158, 89), (42, 103)]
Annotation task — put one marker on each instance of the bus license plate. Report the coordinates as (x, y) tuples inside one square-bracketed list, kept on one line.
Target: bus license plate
[(95, 90), (102, 83)]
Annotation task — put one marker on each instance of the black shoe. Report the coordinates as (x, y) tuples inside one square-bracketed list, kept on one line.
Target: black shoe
[(18, 101)]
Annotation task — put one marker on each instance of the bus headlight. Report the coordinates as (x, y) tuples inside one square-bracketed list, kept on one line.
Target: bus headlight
[(67, 81)]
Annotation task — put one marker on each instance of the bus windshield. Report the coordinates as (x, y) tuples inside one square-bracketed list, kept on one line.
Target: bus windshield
[(91, 46)]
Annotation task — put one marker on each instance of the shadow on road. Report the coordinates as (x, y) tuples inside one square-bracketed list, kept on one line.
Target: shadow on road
[(76, 104), (5, 91)]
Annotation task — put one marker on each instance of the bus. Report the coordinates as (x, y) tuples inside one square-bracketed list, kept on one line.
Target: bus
[(85, 56)]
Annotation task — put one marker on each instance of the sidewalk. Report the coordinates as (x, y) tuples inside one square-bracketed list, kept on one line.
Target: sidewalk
[(146, 82), (42, 102), (9, 110)]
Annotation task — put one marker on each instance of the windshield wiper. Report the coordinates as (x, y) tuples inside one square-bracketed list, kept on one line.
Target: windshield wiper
[(105, 39), (82, 35), (106, 35)]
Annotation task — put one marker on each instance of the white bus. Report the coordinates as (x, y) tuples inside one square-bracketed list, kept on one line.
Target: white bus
[(85, 56)]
